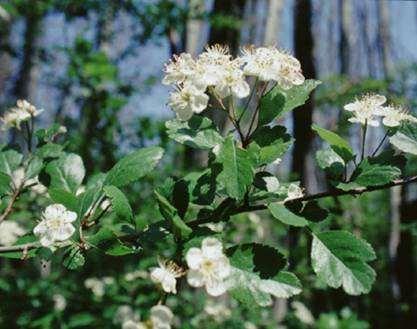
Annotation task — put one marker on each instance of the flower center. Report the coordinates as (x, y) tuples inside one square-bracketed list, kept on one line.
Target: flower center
[(54, 223)]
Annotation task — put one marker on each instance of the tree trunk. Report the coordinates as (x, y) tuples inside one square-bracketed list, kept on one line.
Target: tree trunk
[(226, 35), (273, 22), (303, 116)]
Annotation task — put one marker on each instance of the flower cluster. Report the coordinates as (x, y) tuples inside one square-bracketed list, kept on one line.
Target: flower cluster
[(22, 112), (215, 73), (209, 267), (368, 108), (56, 225)]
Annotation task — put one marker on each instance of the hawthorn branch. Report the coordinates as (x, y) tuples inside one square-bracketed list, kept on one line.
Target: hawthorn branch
[(20, 247), (321, 195), (9, 207)]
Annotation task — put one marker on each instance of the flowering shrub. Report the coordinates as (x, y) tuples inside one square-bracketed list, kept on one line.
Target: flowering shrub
[(252, 92)]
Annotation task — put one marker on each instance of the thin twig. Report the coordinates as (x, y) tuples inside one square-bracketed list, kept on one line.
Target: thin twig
[(364, 139)]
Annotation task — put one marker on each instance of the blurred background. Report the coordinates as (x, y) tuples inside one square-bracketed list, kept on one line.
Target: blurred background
[(95, 66)]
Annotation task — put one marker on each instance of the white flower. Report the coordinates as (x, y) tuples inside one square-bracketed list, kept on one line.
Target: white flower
[(294, 192), (366, 109), (131, 276), (55, 225), (394, 116), (302, 313), (124, 313), (180, 69), (160, 318), (219, 310), (166, 275), (131, 324), (60, 303), (22, 112), (212, 65), (97, 286), (19, 179), (209, 267), (232, 83), (10, 231), (268, 63), (186, 101)]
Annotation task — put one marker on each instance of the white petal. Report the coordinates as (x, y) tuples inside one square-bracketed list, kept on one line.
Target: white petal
[(40, 229), (169, 284), (379, 99), (194, 258), (222, 269), (215, 287), (70, 216), (241, 89), (212, 248), (200, 103), (195, 278), (46, 240), (352, 107), (64, 232)]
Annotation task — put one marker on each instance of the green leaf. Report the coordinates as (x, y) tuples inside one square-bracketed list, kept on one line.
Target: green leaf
[(337, 143), (64, 197), (74, 258), (340, 259), (50, 150), (34, 167), (405, 139), (283, 214), (331, 163), (273, 143), (5, 181), (9, 161), (279, 101), (257, 274), (178, 226), (199, 132), (119, 202), (134, 166), (119, 249), (66, 173), (374, 174), (237, 172)]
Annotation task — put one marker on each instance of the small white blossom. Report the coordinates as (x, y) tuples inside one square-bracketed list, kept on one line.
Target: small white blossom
[(10, 231), (131, 276), (268, 63), (124, 313), (96, 286), (60, 303), (218, 310), (394, 116), (209, 267), (294, 192), (180, 69), (166, 275), (232, 83), (366, 109), (160, 318), (188, 100), (55, 225)]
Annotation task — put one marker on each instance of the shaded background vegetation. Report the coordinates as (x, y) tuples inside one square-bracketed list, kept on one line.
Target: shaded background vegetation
[(95, 66)]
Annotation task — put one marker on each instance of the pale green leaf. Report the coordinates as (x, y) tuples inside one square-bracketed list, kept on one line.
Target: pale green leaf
[(66, 173), (119, 202), (283, 214), (340, 259), (134, 166)]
